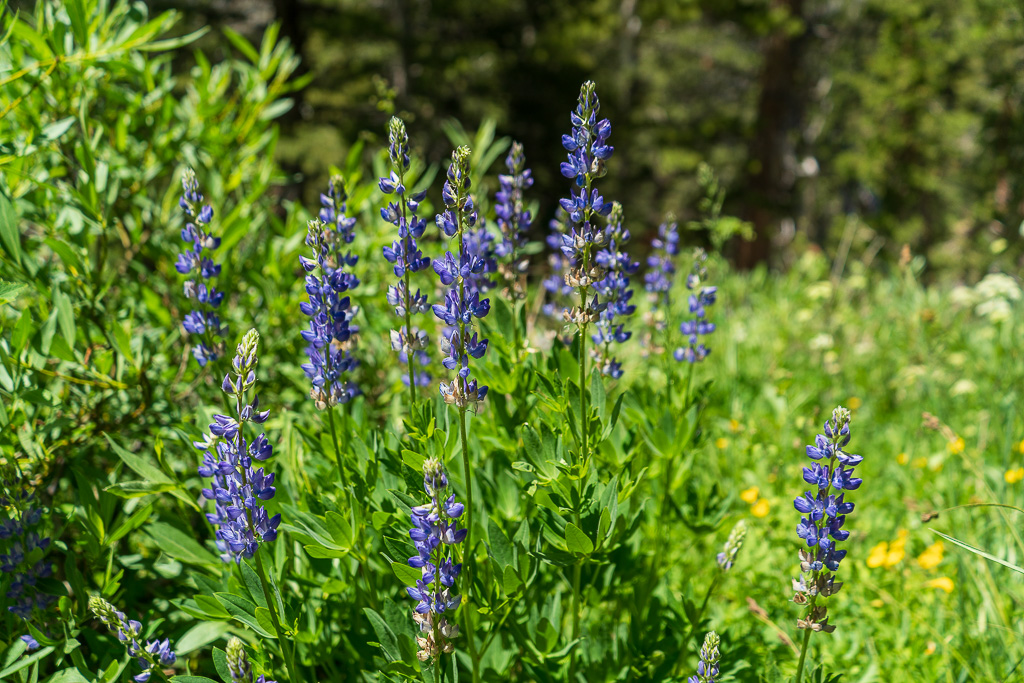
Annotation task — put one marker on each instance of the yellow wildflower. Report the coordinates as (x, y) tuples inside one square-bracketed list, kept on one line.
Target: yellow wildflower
[(750, 495), (1020, 446), (1014, 475), (956, 446), (721, 443), (734, 426), (876, 558), (903, 458), (853, 403), (942, 583), (760, 508), (932, 556), (920, 463), (930, 650), (877, 603)]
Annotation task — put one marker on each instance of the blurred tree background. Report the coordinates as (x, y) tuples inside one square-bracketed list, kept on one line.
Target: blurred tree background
[(857, 126)]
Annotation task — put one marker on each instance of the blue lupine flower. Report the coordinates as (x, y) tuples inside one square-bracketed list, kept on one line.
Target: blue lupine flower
[(434, 533), (462, 301), (128, 632), (406, 256), (330, 327), (700, 299), (825, 512), (588, 150), (480, 243), (238, 663), (661, 266), (615, 292), (513, 220), (558, 291), (238, 490), (203, 322), (707, 668), (30, 643), (22, 551)]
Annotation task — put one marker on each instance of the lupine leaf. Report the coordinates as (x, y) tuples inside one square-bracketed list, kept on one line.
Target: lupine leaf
[(577, 541), (385, 636), (179, 545)]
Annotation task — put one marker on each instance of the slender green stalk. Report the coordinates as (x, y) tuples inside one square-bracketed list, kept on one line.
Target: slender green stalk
[(803, 656), (584, 452), (466, 564), (289, 653), (517, 343), (437, 644), (337, 447)]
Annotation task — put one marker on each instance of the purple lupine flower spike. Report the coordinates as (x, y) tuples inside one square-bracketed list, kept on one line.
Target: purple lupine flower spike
[(588, 151), (825, 511), (330, 336), (410, 342), (707, 667), (238, 663), (434, 534), (701, 298), (513, 220), (462, 302), (149, 656), (614, 289), (238, 490), (20, 537), (195, 262)]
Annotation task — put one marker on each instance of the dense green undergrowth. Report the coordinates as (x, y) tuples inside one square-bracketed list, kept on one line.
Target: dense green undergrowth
[(590, 558)]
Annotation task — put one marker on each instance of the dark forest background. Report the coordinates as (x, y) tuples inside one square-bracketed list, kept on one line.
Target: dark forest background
[(852, 125)]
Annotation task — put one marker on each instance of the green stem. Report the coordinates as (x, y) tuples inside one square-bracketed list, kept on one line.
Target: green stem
[(803, 656), (437, 644), (517, 343), (466, 564), (289, 654), (337, 448), (584, 452)]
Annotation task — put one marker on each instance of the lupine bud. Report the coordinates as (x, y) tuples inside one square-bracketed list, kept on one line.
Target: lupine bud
[(707, 668), (727, 557)]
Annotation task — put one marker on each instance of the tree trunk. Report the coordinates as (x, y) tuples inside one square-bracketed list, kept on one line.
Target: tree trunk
[(769, 185)]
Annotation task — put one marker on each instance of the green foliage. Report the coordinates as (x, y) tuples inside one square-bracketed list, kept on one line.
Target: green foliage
[(100, 402)]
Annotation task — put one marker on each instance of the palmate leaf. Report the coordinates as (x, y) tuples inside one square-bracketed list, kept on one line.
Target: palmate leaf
[(981, 553)]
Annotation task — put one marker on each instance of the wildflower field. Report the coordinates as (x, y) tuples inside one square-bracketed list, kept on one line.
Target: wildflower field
[(426, 428)]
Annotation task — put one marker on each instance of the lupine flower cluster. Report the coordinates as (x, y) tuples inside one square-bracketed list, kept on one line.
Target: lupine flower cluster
[(558, 291), (824, 511), (513, 221), (707, 668), (480, 243), (661, 266), (615, 292), (434, 534), (22, 550), (410, 342), (128, 632), (462, 302), (700, 299), (238, 663), (238, 490), (331, 331), (202, 321), (727, 557), (588, 150)]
